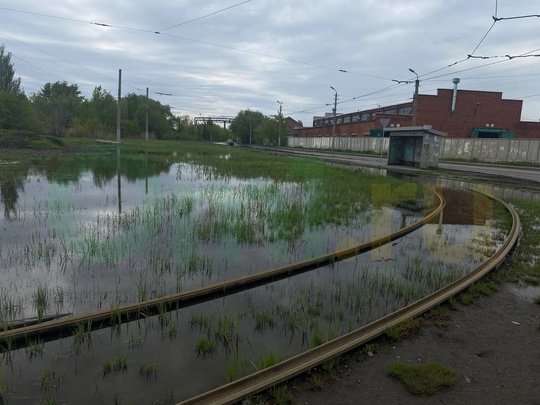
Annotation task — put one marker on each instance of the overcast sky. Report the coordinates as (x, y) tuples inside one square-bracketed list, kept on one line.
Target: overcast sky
[(220, 57)]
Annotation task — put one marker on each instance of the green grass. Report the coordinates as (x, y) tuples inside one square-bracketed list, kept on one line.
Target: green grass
[(121, 363), (537, 299), (205, 346), (423, 379), (28, 140), (148, 370), (51, 379), (106, 368), (269, 360), (281, 394), (34, 347), (3, 388), (264, 320), (524, 264), (406, 329)]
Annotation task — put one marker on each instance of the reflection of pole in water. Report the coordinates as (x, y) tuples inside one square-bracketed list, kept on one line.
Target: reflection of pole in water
[(440, 228), (146, 172), (119, 181)]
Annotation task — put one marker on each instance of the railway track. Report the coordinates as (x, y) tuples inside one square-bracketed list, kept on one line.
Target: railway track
[(12, 338), (292, 367)]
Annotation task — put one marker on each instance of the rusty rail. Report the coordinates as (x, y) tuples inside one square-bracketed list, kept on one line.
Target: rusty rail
[(14, 338), (287, 369)]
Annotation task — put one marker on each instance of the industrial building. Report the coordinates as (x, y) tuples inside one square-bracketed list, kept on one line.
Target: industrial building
[(459, 113)]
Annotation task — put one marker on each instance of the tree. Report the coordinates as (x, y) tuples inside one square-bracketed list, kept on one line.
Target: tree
[(17, 113), (245, 124), (7, 74), (267, 132), (58, 104)]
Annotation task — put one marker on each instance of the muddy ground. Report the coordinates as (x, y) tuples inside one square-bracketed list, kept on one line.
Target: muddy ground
[(493, 345)]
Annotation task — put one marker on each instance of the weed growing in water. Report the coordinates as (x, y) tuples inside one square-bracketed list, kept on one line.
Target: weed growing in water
[(269, 360), (121, 363), (34, 347), (148, 370), (264, 320), (205, 346), (83, 333), (201, 321), (2, 387), (106, 368), (41, 301), (172, 330), (51, 379), (134, 341), (48, 400)]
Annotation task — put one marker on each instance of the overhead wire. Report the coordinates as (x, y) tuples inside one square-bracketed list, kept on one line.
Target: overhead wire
[(341, 70), (205, 16)]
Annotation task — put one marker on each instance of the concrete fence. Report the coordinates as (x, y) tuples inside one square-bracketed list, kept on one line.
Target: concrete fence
[(487, 150)]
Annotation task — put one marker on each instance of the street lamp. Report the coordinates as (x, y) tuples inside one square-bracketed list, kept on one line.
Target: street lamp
[(249, 126), (415, 101), (334, 123), (279, 136)]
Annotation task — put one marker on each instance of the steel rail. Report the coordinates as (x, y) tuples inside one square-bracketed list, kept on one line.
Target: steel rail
[(14, 338), (287, 369)]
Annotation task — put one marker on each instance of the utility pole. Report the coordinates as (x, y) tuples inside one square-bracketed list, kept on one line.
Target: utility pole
[(280, 118), (334, 123), (119, 111), (415, 100), (146, 129)]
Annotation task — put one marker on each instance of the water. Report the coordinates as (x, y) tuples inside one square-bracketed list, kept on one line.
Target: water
[(104, 255)]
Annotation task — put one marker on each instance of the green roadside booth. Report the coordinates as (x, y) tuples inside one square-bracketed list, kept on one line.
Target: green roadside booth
[(418, 146)]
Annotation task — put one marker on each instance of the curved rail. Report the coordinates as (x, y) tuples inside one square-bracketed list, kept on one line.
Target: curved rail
[(264, 379), (106, 318)]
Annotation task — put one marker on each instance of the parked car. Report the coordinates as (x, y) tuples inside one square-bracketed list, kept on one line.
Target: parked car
[(230, 142)]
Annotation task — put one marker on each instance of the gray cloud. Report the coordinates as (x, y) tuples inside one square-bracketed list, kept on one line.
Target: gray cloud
[(256, 53)]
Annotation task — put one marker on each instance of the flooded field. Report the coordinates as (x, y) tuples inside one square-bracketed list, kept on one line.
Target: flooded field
[(109, 227)]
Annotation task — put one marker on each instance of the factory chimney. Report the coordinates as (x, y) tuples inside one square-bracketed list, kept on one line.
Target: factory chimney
[(454, 96)]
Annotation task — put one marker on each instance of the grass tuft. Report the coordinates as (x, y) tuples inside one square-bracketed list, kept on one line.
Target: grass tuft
[(423, 379)]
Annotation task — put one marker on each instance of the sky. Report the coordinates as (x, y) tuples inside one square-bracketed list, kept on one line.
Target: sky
[(217, 58)]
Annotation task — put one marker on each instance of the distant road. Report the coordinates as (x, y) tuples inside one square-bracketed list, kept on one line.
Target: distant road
[(520, 174)]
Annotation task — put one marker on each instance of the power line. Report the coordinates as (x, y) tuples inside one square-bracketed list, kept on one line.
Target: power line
[(204, 16), (201, 42)]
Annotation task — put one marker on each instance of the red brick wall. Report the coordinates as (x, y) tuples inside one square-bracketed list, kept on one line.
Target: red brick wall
[(358, 128), (529, 130), (474, 109)]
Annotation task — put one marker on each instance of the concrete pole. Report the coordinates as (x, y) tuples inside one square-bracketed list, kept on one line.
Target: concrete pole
[(415, 101), (280, 124), (334, 123), (119, 111)]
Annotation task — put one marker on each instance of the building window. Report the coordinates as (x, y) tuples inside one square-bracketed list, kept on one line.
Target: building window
[(405, 110), (347, 119)]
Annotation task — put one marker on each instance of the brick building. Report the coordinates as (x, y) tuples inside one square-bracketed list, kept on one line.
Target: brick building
[(477, 114)]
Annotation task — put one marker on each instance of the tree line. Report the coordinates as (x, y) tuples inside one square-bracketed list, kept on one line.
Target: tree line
[(59, 109)]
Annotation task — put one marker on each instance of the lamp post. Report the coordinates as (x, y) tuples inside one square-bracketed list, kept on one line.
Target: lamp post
[(415, 101), (249, 126), (279, 133), (334, 123)]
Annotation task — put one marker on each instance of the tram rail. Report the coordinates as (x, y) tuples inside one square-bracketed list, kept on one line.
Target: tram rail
[(50, 330), (294, 366)]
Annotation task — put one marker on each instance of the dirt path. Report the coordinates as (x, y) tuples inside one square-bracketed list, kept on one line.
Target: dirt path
[(493, 345)]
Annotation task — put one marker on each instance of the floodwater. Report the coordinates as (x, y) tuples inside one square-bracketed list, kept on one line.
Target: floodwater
[(59, 226)]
